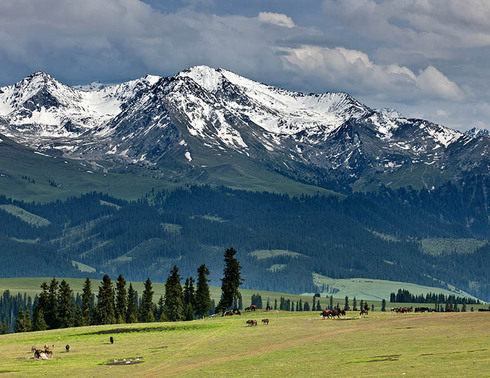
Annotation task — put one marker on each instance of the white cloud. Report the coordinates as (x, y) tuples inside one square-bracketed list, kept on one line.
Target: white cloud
[(276, 19), (354, 71)]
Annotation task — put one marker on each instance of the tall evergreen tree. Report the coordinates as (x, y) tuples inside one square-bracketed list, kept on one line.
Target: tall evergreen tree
[(346, 304), (65, 307), (39, 324), (231, 281), (3, 327), (132, 310), (42, 305), (203, 297), (23, 321), (159, 315), (146, 306), (105, 305), (51, 310), (86, 307), (383, 305), (121, 299), (174, 306)]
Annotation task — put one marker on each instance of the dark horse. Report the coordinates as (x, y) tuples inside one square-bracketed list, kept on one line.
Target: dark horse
[(363, 312)]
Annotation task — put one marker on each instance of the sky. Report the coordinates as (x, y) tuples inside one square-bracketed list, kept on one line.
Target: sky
[(425, 58)]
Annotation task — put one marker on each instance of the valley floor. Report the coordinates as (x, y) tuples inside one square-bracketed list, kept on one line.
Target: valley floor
[(293, 344)]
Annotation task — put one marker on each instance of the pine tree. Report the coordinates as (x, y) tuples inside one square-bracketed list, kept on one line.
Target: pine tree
[(39, 324), (330, 306), (354, 304), (23, 321), (86, 307), (346, 305), (132, 310), (306, 306), (3, 327), (174, 306), (105, 305), (146, 306), (203, 297), (365, 306), (189, 291), (383, 305), (65, 307), (42, 305), (318, 306), (121, 299), (230, 282), (159, 315), (51, 310)]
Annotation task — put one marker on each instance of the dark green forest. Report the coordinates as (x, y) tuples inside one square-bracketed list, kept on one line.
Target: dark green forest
[(374, 235)]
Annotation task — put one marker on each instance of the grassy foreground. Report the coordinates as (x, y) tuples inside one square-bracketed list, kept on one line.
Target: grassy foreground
[(294, 344)]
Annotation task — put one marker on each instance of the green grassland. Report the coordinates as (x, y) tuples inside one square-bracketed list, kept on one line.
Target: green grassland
[(269, 253), (371, 289), (441, 246), (32, 219), (293, 344)]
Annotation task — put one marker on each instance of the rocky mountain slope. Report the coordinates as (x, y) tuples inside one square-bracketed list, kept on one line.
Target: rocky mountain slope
[(208, 125)]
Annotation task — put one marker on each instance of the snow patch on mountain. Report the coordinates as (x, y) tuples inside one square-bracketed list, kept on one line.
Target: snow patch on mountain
[(476, 132)]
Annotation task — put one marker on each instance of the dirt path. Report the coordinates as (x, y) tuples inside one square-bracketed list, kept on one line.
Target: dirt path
[(163, 370)]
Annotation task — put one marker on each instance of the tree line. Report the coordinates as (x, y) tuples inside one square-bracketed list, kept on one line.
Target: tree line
[(57, 307), (404, 296)]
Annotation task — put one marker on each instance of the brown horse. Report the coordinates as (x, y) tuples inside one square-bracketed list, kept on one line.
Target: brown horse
[(251, 322), (265, 321), (363, 313)]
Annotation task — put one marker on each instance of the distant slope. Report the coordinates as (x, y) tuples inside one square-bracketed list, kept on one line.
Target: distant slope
[(32, 176), (370, 289)]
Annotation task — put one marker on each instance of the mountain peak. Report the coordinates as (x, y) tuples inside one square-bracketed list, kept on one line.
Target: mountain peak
[(207, 77), (475, 132)]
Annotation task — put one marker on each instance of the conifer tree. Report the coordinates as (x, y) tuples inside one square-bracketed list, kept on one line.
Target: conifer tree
[(146, 306), (383, 305), (330, 305), (203, 297), (346, 305), (174, 305), (23, 321), (230, 282), (51, 310), (132, 309), (306, 306), (3, 327), (121, 299), (65, 307), (42, 304), (354, 304), (159, 315), (86, 308), (39, 324), (105, 305)]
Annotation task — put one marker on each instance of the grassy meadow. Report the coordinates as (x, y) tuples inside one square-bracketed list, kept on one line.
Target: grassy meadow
[(293, 344)]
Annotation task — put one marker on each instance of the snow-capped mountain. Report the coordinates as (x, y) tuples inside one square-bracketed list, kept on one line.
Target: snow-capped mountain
[(205, 118), (476, 132)]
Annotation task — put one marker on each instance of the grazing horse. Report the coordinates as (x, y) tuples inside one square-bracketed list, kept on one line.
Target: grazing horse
[(449, 309), (265, 321), (326, 314), (251, 308), (363, 312), (251, 322), (228, 313)]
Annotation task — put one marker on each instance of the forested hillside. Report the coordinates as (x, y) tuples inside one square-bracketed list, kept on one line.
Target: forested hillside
[(280, 240)]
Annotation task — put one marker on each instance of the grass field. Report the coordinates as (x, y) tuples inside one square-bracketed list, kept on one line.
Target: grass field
[(372, 289), (293, 344)]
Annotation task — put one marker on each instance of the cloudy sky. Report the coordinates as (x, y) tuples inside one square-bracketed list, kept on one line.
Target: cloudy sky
[(425, 58)]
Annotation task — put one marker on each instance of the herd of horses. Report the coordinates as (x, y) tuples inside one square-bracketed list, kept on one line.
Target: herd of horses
[(253, 322)]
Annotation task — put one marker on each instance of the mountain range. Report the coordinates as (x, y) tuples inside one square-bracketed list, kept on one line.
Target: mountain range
[(374, 194), (208, 125)]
